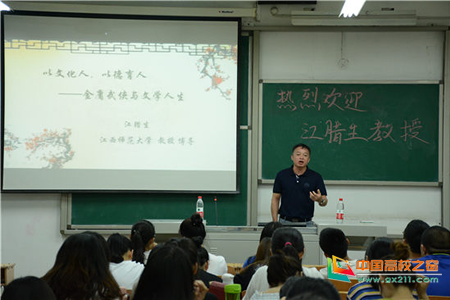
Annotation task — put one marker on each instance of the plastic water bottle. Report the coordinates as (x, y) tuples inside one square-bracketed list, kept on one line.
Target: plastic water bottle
[(199, 206), (340, 211)]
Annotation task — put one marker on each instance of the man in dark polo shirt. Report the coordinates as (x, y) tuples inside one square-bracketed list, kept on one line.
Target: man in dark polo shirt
[(297, 188)]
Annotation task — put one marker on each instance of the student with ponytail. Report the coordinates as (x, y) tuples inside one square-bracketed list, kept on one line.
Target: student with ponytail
[(289, 241), (142, 240), (194, 229), (125, 271)]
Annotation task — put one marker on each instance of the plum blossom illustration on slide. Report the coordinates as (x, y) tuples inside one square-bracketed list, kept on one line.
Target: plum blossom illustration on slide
[(11, 142), (210, 66), (52, 147)]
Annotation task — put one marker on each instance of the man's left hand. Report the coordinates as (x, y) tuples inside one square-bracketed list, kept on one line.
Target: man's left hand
[(316, 196)]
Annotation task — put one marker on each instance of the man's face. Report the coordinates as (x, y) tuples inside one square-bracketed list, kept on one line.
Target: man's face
[(300, 157)]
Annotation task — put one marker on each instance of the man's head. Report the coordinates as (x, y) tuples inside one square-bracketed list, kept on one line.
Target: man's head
[(413, 234), (301, 155), (435, 239), (332, 241)]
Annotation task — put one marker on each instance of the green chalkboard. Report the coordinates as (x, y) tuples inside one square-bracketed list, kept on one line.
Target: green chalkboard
[(367, 132), (127, 208)]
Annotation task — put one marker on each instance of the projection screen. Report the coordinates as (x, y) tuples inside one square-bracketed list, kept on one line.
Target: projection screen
[(119, 103)]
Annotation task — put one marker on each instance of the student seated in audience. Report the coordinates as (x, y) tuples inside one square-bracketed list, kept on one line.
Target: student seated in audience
[(281, 238), (267, 232), (400, 284), (169, 274), (28, 288), (194, 229), (81, 270), (412, 236), (282, 265), (262, 258), (203, 264), (379, 248), (142, 240), (125, 271), (307, 288), (333, 241), (436, 249), (191, 250)]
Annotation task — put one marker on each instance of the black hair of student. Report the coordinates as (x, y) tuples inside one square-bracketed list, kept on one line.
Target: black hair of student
[(81, 270), (301, 145), (332, 241), (400, 251), (379, 248), (188, 246), (102, 241), (194, 229), (287, 239), (413, 234), (118, 245), (268, 229), (312, 288), (141, 234), (281, 267), (167, 275), (436, 239), (28, 288), (202, 256)]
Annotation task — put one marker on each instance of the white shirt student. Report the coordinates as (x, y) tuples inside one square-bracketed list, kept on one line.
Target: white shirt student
[(127, 272), (259, 282)]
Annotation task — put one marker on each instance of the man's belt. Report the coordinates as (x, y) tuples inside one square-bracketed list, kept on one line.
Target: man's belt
[(296, 220)]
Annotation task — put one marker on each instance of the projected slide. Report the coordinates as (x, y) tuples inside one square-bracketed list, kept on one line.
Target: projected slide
[(119, 104)]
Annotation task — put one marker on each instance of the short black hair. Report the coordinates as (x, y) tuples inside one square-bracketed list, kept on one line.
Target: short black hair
[(332, 241), (268, 229), (413, 234), (379, 248), (202, 256), (301, 145), (436, 239)]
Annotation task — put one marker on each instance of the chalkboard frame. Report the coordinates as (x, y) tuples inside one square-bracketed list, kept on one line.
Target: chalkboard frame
[(265, 181)]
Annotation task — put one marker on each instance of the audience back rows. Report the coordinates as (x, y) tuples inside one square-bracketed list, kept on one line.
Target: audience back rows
[(89, 267)]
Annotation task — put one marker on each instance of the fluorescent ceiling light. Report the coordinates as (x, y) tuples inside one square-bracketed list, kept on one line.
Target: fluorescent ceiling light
[(3, 6), (351, 8)]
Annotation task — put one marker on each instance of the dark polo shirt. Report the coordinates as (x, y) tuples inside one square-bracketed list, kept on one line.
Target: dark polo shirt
[(295, 201)]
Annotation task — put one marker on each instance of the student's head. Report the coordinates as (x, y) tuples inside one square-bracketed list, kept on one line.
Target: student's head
[(379, 248), (288, 240), (307, 288), (435, 239), (391, 281), (142, 236), (203, 258), (102, 241), (189, 248), (81, 270), (413, 234), (263, 253), (167, 275), (120, 248), (194, 229), (332, 241), (268, 229), (28, 288), (281, 267)]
